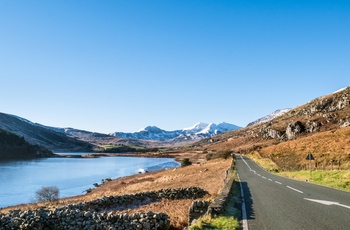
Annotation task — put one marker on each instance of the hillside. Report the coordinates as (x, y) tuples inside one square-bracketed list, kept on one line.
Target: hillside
[(15, 147), (320, 126), (38, 135)]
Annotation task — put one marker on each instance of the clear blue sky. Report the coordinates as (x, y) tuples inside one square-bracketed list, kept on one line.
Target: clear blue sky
[(121, 65)]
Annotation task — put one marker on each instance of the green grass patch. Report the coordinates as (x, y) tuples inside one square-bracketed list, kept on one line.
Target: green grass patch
[(335, 179), (221, 222)]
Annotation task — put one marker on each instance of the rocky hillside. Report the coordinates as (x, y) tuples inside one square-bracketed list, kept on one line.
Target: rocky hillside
[(320, 126), (38, 135), (15, 147)]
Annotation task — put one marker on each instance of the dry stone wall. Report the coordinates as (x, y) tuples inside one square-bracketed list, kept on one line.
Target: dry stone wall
[(64, 218), (92, 215), (197, 209), (217, 207)]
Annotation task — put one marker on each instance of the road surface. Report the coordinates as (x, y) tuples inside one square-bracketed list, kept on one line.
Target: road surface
[(274, 202)]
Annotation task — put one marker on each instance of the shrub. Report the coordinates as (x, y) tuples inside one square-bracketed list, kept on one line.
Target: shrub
[(185, 162), (47, 194)]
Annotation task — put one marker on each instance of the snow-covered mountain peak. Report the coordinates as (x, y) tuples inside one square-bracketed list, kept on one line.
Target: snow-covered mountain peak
[(197, 126), (269, 117), (197, 131), (207, 130), (151, 129), (227, 126)]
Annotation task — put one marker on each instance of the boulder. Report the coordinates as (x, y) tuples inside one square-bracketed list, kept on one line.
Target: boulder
[(293, 129)]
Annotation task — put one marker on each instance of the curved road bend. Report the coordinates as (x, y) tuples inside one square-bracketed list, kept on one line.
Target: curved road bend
[(274, 202)]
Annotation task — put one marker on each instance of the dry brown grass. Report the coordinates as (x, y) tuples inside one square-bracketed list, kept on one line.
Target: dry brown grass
[(176, 209), (207, 175), (330, 148), (325, 146)]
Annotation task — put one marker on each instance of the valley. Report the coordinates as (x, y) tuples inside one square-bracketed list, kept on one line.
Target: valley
[(280, 142)]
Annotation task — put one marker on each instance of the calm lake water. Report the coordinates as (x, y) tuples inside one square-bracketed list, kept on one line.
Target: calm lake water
[(20, 179)]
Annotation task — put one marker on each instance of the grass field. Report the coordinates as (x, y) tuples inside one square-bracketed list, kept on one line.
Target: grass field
[(335, 179), (339, 179)]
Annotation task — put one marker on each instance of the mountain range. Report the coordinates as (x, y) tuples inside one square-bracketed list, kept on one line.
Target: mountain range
[(75, 140), (196, 132)]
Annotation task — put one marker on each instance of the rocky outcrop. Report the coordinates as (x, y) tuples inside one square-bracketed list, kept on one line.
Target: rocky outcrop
[(344, 122), (312, 126), (293, 129), (327, 104), (268, 133)]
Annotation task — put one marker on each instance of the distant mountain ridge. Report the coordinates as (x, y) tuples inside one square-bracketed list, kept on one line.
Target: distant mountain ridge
[(198, 131), (70, 139), (269, 117), (37, 134)]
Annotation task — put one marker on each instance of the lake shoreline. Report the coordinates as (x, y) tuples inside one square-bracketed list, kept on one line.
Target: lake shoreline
[(178, 156), (116, 168)]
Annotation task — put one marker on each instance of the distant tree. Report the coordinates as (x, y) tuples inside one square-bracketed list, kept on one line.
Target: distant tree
[(47, 194), (185, 162)]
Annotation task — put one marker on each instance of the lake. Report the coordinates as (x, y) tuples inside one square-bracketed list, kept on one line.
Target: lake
[(73, 176)]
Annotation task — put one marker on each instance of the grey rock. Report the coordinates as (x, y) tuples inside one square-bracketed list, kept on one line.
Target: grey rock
[(293, 129)]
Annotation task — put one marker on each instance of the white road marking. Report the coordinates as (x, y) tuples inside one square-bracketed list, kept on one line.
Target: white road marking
[(246, 164), (258, 174), (277, 182), (263, 177), (295, 189), (269, 179), (244, 212), (325, 202)]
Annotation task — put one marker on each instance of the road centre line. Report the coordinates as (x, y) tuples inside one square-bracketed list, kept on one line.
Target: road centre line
[(269, 179), (263, 177), (277, 182), (294, 189)]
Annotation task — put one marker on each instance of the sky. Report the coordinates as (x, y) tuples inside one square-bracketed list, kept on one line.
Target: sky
[(122, 65)]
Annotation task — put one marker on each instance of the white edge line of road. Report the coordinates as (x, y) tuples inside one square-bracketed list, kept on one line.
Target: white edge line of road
[(244, 212)]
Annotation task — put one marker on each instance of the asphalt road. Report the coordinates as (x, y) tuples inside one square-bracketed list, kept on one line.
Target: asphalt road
[(274, 202)]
